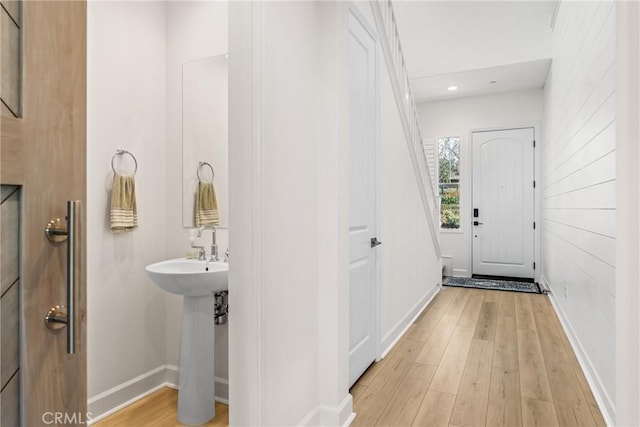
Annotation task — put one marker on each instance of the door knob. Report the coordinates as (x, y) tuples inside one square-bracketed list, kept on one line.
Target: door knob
[(477, 223), (375, 242)]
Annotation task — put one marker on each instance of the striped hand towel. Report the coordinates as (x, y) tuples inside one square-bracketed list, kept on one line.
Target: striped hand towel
[(206, 208), (124, 212)]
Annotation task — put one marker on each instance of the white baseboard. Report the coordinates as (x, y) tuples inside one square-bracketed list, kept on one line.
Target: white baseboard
[(343, 415), (460, 272), (119, 397), (173, 376), (323, 415), (349, 420), (222, 390), (604, 401), (398, 331), (447, 265)]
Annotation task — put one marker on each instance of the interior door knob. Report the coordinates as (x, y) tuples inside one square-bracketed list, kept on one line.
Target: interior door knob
[(375, 242)]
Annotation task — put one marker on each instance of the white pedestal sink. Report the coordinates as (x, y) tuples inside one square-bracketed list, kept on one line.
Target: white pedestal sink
[(197, 281)]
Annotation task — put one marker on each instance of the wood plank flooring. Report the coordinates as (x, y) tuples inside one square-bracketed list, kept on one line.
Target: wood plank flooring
[(158, 410), (478, 357), (474, 357)]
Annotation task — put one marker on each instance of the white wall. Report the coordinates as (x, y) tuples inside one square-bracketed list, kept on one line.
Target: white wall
[(458, 117), (273, 279), (411, 271), (579, 187), (126, 109), (298, 258), (627, 302), (135, 56), (194, 30), (288, 280)]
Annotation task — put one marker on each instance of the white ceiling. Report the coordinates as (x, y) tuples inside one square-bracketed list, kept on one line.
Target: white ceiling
[(470, 43), (512, 77)]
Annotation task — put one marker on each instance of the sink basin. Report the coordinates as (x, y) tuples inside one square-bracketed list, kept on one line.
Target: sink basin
[(189, 277), (197, 281)]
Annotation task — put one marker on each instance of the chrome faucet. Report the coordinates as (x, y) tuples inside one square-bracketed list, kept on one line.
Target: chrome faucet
[(201, 253), (214, 246)]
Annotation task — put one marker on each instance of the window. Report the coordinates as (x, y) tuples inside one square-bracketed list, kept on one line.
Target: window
[(449, 181)]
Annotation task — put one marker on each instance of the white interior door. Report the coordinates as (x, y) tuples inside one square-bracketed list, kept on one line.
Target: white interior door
[(503, 195), (362, 198)]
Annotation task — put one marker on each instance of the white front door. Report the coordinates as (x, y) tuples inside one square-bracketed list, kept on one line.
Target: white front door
[(503, 203), (362, 198)]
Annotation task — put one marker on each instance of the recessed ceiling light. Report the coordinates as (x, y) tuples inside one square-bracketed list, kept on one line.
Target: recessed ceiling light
[(452, 88)]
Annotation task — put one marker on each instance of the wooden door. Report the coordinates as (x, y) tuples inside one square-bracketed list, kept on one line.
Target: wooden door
[(362, 198), (503, 195), (43, 151)]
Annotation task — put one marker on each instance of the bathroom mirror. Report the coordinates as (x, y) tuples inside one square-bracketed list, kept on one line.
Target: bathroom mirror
[(205, 133)]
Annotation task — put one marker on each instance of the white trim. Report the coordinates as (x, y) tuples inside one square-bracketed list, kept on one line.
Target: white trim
[(446, 263), (311, 419), (128, 384), (385, 45), (458, 230), (340, 415), (378, 184), (461, 272), (332, 239), (357, 14), (537, 201), (537, 208), (369, 28), (349, 420), (364, 21), (122, 395), (94, 419), (258, 130), (173, 376), (627, 296), (246, 129), (554, 16), (604, 401), (398, 331), (222, 390)]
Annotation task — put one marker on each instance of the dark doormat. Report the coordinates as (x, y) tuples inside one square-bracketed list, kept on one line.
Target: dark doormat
[(498, 285)]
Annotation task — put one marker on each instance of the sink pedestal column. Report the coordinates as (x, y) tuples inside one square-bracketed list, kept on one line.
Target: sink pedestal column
[(196, 393)]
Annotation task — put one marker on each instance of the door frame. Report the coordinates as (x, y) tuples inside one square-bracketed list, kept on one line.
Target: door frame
[(377, 295), (537, 206)]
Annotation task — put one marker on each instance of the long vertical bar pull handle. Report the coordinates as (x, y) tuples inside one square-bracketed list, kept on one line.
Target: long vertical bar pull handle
[(72, 205), (60, 316)]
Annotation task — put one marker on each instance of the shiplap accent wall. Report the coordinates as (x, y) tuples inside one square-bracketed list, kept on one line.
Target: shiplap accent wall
[(9, 305), (579, 186)]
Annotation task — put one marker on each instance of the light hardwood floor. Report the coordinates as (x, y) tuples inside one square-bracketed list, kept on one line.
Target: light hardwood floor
[(158, 410), (474, 357), (477, 357)]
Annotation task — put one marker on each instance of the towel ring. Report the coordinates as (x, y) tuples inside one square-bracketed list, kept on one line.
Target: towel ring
[(122, 153), (200, 166)]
